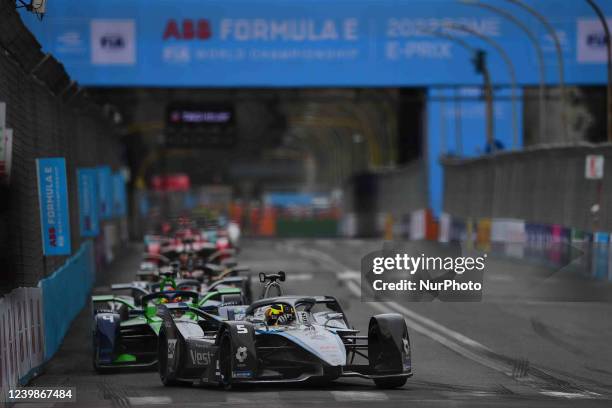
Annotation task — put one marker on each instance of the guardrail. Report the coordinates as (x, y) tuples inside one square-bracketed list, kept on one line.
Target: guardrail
[(544, 185)]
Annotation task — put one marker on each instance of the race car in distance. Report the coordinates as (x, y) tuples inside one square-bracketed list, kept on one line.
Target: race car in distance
[(314, 342), (125, 328)]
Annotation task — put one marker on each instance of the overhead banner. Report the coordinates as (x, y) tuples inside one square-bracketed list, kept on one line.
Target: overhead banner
[(313, 42), (87, 179), (105, 192), (53, 203), (119, 195)]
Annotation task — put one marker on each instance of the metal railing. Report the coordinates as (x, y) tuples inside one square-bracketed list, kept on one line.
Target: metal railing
[(546, 185)]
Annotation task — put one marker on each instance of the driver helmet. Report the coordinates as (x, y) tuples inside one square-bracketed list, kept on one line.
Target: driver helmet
[(279, 314)]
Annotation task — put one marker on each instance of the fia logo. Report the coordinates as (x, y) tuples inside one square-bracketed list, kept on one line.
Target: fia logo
[(112, 42)]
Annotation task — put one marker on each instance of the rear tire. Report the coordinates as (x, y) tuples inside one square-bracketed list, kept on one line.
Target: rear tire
[(392, 382), (225, 363)]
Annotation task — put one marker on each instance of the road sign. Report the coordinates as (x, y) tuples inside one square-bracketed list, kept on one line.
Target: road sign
[(594, 167)]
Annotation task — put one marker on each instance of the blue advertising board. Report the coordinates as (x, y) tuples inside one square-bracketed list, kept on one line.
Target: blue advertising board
[(87, 180), (119, 196), (105, 192), (312, 42), (53, 203)]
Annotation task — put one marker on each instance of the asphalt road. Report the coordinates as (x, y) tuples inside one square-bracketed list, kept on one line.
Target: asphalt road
[(518, 347)]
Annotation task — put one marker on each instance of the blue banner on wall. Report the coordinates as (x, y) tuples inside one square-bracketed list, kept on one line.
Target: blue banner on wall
[(311, 42), (87, 180), (119, 195), (53, 203), (105, 192)]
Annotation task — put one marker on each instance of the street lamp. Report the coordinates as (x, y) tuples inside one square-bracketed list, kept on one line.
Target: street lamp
[(479, 60), (539, 54), (604, 23), (511, 70), (555, 38)]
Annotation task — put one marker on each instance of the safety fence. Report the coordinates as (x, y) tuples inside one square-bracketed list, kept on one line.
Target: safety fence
[(50, 116), (34, 320), (21, 337), (545, 185), (536, 204)]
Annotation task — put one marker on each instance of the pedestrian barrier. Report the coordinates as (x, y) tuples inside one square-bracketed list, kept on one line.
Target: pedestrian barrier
[(21, 336)]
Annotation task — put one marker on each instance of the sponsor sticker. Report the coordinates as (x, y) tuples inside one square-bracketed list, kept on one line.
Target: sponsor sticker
[(200, 357), (241, 354), (242, 374), (53, 203), (171, 348)]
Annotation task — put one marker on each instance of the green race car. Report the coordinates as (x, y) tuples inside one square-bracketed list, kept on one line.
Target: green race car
[(125, 330)]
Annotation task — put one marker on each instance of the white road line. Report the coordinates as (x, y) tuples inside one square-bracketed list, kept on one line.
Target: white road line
[(162, 400), (571, 395), (432, 329), (347, 273), (344, 396), (252, 397), (384, 307), (301, 276)]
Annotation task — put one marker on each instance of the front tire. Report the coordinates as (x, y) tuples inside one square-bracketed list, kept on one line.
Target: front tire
[(389, 383), (225, 363)]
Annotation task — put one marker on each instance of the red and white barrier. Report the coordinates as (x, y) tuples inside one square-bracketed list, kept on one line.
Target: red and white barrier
[(418, 223), (445, 228), (21, 336)]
